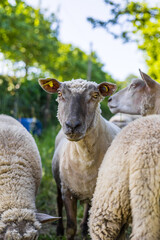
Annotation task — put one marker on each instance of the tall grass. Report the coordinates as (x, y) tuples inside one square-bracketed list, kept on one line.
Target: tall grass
[(46, 198)]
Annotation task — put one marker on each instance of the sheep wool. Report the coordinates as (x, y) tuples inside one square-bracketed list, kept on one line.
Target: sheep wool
[(20, 175), (79, 85), (128, 184)]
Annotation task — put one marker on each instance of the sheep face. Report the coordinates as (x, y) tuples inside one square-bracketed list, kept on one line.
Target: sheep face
[(78, 101), (138, 98), (128, 99), (20, 231), (22, 224), (18, 224), (76, 111)]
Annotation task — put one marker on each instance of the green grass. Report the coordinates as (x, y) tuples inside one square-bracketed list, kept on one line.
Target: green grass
[(46, 198), (47, 193)]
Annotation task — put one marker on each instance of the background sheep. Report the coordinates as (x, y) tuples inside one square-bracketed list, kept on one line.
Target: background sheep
[(132, 187), (122, 119), (80, 145), (20, 175), (142, 97)]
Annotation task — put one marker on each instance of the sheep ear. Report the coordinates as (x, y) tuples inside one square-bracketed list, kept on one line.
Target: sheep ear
[(45, 218), (148, 80), (50, 85), (107, 89)]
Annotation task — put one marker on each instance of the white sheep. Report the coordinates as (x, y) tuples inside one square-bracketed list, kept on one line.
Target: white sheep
[(80, 145), (141, 97), (132, 187), (128, 184), (20, 176), (122, 119)]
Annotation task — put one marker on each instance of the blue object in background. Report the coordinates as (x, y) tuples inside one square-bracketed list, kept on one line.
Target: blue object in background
[(32, 125)]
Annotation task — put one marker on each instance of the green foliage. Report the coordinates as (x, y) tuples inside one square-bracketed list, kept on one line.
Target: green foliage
[(128, 16), (29, 37), (26, 99), (72, 63), (47, 191), (7, 95), (136, 21), (46, 199), (151, 45), (26, 35)]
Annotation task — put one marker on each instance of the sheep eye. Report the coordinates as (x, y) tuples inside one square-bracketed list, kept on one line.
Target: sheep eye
[(59, 93), (95, 95)]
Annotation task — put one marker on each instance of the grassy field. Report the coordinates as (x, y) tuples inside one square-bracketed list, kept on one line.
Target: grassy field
[(46, 198)]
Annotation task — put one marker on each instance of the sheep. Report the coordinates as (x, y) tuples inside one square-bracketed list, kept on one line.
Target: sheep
[(131, 190), (122, 119), (20, 175), (80, 145), (141, 97)]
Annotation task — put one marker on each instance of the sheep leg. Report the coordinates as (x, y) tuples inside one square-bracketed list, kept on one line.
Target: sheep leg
[(84, 223), (60, 227), (109, 211), (122, 235), (105, 222), (70, 203)]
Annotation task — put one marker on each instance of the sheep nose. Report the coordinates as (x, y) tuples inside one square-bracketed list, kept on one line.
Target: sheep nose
[(73, 125), (109, 99)]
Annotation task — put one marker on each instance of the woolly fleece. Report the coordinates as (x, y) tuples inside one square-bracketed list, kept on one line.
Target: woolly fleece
[(128, 184), (79, 85), (20, 174)]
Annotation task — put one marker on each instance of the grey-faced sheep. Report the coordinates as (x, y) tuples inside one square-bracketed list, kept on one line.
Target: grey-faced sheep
[(80, 145), (131, 190), (141, 97), (20, 175)]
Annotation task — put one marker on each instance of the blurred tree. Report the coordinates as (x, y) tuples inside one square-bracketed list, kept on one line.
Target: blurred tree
[(72, 63), (7, 94), (26, 35), (135, 21), (126, 82), (126, 17), (130, 77), (151, 45)]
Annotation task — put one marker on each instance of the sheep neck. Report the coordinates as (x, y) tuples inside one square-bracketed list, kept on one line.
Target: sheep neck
[(88, 148), (151, 104), (157, 104)]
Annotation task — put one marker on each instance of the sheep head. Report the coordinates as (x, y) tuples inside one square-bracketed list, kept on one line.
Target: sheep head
[(78, 103), (22, 224), (141, 97)]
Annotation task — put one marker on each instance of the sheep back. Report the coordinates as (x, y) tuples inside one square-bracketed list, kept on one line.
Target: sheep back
[(128, 183), (20, 166)]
